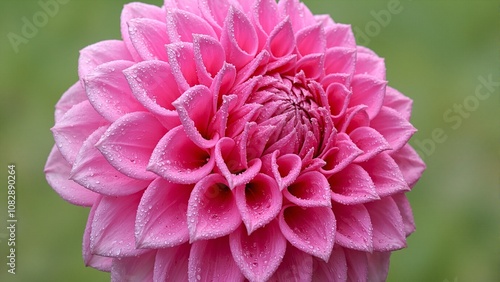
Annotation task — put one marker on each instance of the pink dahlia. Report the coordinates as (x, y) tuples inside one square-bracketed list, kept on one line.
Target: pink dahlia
[(224, 140)]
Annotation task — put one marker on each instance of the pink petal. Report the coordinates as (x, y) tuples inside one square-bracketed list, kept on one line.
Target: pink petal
[(339, 35), (354, 228), (211, 260), (263, 16), (311, 189), (370, 141), (352, 185), (238, 38), (57, 171), (285, 168), (215, 12), (311, 65), (95, 261), (177, 159), (259, 254), (354, 117), (311, 230), (187, 5), (93, 171), (196, 109), (112, 232), (72, 97), (257, 66), (388, 227), (100, 53), (138, 268), (368, 90), (338, 99), (224, 80), (209, 57), (399, 102), (334, 270), (341, 156), (149, 37), (410, 164), (74, 128), (154, 86), (129, 142), (357, 265), (378, 266), (137, 10), (161, 218), (109, 92), (259, 201), (340, 60), (300, 15), (212, 211), (296, 266), (281, 40), (385, 174), (182, 26), (182, 62), (311, 40), (230, 163), (171, 264), (395, 128), (371, 64), (406, 212)]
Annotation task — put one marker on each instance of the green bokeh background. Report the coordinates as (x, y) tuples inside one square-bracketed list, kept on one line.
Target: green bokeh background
[(435, 51)]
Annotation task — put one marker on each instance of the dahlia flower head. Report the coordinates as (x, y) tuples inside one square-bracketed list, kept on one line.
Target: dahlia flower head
[(233, 140)]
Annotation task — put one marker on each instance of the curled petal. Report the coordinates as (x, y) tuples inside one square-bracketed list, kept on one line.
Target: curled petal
[(74, 128), (212, 211), (238, 38), (340, 35), (296, 266), (368, 90), (388, 226), (354, 227), (177, 159), (137, 10), (195, 108), (259, 254), (311, 230), (171, 264), (149, 38), (57, 171), (93, 171), (334, 270), (98, 262), (137, 268), (352, 185), (109, 92), (100, 53), (161, 217), (182, 26), (181, 59), (311, 40), (211, 259), (369, 63), (73, 96), (154, 86), (395, 129), (338, 99), (311, 65), (112, 232), (357, 265), (370, 141), (300, 15), (259, 201), (209, 57), (285, 168), (385, 174), (340, 60), (311, 189), (128, 143), (338, 158), (281, 41)]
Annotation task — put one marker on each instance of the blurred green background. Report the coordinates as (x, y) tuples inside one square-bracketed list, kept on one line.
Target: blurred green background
[(435, 52)]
